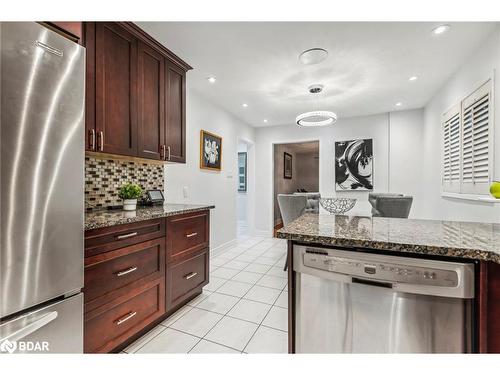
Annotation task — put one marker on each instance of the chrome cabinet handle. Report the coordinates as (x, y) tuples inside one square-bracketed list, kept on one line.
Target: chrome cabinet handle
[(128, 235), (127, 271), (101, 141), (168, 153), (123, 319), (162, 152), (92, 139), (190, 275), (191, 234)]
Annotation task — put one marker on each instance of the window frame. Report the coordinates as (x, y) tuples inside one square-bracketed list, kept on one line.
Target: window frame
[(465, 187)]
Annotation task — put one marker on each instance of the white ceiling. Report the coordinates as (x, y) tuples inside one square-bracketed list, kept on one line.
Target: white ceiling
[(366, 72)]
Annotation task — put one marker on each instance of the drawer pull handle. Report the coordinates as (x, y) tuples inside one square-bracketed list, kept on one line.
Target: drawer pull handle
[(130, 315), (190, 275), (127, 271), (123, 236), (191, 234)]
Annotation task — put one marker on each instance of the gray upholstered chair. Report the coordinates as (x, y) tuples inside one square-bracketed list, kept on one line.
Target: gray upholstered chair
[(390, 205), (312, 205), (291, 207)]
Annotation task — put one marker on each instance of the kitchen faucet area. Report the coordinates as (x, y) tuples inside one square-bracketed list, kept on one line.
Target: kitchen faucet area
[(311, 187)]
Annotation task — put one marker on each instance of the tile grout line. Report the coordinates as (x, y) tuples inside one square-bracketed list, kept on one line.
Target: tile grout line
[(239, 300)]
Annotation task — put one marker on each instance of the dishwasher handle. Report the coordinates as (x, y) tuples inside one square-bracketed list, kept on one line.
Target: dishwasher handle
[(381, 284)]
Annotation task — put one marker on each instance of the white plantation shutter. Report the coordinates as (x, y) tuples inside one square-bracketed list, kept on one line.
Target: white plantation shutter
[(476, 141), (468, 144), (451, 150)]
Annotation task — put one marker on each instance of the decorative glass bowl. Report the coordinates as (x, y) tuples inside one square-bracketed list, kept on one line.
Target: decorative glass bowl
[(337, 205)]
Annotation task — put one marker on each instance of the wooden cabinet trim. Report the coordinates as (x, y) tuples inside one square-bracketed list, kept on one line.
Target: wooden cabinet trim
[(146, 38), (70, 30)]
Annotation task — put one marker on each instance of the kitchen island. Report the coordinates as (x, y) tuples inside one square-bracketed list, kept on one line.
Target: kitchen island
[(476, 245)]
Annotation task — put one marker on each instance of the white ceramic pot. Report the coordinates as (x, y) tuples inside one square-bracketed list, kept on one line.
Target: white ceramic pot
[(129, 204)]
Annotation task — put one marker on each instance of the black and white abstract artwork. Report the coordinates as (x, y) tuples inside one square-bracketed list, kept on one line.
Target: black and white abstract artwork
[(354, 165), (210, 151)]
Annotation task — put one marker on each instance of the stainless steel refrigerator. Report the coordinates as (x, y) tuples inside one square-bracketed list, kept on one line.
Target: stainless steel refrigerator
[(42, 170)]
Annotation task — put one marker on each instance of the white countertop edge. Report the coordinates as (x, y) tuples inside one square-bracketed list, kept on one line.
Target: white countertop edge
[(471, 197)]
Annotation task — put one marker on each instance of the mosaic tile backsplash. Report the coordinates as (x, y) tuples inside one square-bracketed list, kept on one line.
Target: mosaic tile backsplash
[(104, 177)]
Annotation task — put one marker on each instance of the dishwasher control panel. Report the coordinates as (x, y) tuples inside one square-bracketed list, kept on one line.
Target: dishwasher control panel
[(381, 270)]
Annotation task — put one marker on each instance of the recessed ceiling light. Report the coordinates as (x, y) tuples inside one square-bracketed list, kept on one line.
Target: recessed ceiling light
[(313, 56), (244, 105), (265, 120), (211, 79), (413, 78), (441, 29), (399, 104)]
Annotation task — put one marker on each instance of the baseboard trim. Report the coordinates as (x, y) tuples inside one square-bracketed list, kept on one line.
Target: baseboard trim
[(224, 246)]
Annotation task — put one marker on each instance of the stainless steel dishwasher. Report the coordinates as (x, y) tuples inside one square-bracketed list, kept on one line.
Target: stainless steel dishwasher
[(353, 302)]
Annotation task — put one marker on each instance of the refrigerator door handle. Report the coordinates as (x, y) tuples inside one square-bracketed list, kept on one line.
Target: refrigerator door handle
[(30, 328)]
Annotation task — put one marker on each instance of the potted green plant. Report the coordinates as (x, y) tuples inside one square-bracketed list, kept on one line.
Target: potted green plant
[(130, 193)]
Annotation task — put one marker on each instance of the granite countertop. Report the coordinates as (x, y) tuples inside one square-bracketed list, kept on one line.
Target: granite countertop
[(107, 218), (446, 238)]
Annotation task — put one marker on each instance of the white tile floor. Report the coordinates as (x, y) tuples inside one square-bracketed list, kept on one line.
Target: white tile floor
[(242, 310)]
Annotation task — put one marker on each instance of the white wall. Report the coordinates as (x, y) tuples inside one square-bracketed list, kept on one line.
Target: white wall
[(477, 70), (208, 187), (401, 130)]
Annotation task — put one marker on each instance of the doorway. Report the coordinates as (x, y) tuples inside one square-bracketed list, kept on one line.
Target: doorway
[(244, 178), (296, 170)]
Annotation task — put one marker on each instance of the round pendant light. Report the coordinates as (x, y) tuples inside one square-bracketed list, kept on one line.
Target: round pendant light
[(318, 117)]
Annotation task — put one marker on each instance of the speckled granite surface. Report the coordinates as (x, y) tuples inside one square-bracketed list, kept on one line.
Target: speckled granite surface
[(445, 238), (108, 218)]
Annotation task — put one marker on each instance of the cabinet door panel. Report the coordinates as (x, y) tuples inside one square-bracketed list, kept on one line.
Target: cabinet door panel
[(116, 89), (89, 43), (151, 90), (175, 130)]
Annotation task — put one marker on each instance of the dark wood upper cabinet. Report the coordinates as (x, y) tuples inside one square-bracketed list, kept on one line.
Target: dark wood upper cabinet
[(136, 93), (116, 89), (175, 127), (151, 122)]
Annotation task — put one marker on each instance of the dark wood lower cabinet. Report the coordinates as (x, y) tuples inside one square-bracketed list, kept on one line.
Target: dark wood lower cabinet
[(108, 326), (186, 277), (130, 284), (488, 302)]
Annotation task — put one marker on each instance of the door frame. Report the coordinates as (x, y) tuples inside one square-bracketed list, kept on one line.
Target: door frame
[(282, 142)]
